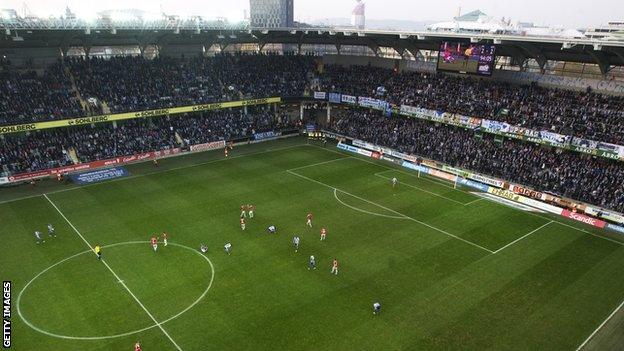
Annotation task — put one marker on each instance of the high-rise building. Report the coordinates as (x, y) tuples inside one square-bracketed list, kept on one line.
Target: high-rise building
[(358, 19), (271, 13)]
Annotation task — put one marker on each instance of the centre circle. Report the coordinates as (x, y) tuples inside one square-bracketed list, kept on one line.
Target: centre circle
[(31, 325)]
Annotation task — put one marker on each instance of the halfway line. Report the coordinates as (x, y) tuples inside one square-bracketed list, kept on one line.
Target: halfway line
[(114, 274)]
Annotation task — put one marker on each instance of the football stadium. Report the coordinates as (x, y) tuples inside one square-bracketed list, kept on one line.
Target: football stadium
[(191, 183)]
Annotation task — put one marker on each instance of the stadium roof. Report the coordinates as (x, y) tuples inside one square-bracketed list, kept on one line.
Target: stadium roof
[(605, 53)]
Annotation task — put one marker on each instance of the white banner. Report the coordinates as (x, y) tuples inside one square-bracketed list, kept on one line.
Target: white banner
[(349, 99), (320, 95), (208, 146)]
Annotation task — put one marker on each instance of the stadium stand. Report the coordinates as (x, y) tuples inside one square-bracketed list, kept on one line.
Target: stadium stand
[(131, 84), (49, 149), (581, 114), (573, 175)]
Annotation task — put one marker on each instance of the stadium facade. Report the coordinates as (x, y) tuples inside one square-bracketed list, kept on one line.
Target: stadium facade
[(271, 13)]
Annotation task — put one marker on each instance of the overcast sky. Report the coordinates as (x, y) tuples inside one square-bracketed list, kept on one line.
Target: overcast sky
[(561, 13)]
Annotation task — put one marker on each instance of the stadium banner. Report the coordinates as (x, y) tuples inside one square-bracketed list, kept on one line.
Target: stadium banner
[(208, 146), (555, 139), (347, 147), (94, 165), (415, 167), (373, 103), (611, 151), (487, 180), (540, 205), (4, 180), (459, 172), (334, 98), (443, 175), (495, 127), (416, 112), (349, 99), (266, 135), (616, 228), (565, 203), (366, 145), (509, 195), (521, 190), (592, 147), (604, 214), (524, 133), (583, 218), (320, 95), (463, 121), (473, 176), (473, 184), (403, 156), (365, 152), (99, 175), (429, 163), (132, 115)]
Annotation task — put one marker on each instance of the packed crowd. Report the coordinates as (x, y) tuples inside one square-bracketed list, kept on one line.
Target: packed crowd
[(582, 114), (134, 83), (53, 148), (573, 175), (25, 96)]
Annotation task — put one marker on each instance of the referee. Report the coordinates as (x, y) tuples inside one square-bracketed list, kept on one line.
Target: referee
[(98, 252)]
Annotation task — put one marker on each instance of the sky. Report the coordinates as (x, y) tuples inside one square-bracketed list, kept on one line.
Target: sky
[(558, 13)]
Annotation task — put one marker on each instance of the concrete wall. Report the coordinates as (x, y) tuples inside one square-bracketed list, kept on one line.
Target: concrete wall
[(180, 50), (348, 60), (37, 57)]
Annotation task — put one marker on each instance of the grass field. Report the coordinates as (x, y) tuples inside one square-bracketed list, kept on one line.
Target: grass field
[(452, 270)]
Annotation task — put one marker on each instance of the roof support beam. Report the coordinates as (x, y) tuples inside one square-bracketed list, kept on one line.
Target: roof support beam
[(373, 46), (619, 52), (534, 52), (601, 60)]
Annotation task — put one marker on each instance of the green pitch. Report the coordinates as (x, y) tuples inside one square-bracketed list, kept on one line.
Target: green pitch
[(451, 270)]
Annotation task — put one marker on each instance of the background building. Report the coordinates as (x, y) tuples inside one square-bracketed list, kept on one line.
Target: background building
[(271, 13), (358, 19)]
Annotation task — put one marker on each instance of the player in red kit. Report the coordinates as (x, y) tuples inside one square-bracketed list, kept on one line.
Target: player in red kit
[(154, 242), (334, 269), (243, 211), (164, 238), (309, 219), (137, 347), (242, 222), (323, 233)]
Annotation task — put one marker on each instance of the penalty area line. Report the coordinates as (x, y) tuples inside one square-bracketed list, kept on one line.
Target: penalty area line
[(524, 236), (116, 276), (393, 211)]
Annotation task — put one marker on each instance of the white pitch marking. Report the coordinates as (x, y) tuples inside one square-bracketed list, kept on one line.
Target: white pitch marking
[(393, 211), (19, 296), (364, 211), (600, 326), (424, 190), (524, 236), (157, 172), (486, 199), (116, 276), (320, 163)]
